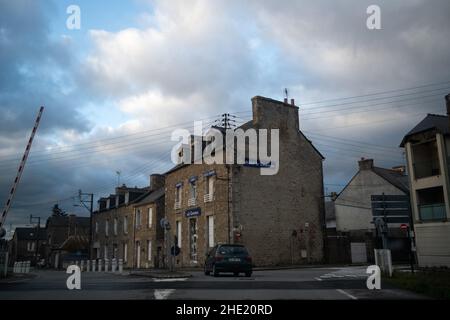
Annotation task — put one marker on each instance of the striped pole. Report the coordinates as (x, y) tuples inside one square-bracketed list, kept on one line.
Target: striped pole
[(20, 170)]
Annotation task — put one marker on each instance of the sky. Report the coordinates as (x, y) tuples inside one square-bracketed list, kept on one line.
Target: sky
[(115, 89)]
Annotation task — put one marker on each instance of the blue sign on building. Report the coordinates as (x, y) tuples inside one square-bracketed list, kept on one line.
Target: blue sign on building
[(193, 212)]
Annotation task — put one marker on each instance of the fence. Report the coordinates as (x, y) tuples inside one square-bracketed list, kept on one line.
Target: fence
[(22, 267)]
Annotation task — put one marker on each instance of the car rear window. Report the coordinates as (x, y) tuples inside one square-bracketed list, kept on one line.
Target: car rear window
[(232, 250)]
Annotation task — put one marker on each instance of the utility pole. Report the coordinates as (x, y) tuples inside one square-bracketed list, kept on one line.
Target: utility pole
[(87, 201), (36, 254)]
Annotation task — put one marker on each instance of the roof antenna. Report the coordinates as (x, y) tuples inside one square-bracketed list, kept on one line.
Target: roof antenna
[(286, 95)]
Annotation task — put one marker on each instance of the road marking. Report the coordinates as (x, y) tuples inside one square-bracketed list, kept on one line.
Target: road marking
[(169, 279), (162, 294), (318, 279), (346, 294)]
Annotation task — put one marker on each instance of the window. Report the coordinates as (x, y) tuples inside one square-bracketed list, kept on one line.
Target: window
[(178, 191), (115, 226), (209, 188), (105, 256), (125, 252), (178, 232), (107, 227), (125, 225), (150, 217), (31, 246), (149, 250), (138, 217), (426, 159), (96, 227), (192, 192), (210, 227), (114, 256), (431, 203)]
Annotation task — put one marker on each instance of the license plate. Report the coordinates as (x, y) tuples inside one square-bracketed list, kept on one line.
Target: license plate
[(234, 259)]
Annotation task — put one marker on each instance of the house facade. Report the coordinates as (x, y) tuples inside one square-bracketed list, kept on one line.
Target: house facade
[(353, 210), (127, 226), (148, 238), (113, 226), (427, 148), (27, 244), (280, 218)]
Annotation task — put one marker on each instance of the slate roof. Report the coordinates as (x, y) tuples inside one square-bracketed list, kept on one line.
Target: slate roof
[(436, 122), (395, 178), (150, 197), (30, 234)]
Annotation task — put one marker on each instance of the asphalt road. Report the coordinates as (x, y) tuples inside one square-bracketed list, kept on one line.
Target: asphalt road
[(306, 283)]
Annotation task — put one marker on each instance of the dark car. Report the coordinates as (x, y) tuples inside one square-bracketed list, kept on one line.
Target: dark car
[(228, 258)]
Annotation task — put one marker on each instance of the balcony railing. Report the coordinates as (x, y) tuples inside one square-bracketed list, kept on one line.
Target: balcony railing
[(177, 205), (191, 202), (430, 212), (428, 168), (208, 197)]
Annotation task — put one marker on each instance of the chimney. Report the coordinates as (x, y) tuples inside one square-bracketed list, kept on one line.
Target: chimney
[(447, 102), (365, 164), (400, 169), (286, 100), (273, 114), (292, 102), (157, 181)]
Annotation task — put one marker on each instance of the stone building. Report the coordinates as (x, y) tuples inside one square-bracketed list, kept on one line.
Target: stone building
[(148, 235), (280, 218), (122, 229), (28, 244), (113, 225)]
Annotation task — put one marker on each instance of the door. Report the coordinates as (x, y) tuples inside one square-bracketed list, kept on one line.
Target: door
[(138, 254), (193, 239), (358, 252)]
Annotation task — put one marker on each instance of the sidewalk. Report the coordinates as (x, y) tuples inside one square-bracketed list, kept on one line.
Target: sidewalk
[(160, 273), (17, 277)]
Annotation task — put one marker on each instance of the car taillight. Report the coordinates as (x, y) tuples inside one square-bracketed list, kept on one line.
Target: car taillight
[(248, 259), (219, 258)]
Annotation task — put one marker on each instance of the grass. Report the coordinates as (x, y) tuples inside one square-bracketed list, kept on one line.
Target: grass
[(433, 282)]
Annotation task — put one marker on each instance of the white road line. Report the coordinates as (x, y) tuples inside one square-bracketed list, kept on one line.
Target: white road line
[(169, 279), (347, 294), (318, 279), (162, 294)]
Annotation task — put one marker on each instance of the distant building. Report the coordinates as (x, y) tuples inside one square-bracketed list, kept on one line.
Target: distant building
[(354, 217), (280, 218), (427, 148), (27, 243), (67, 239), (122, 229)]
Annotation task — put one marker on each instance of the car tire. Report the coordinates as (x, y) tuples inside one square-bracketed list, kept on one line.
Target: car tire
[(215, 272), (248, 274)]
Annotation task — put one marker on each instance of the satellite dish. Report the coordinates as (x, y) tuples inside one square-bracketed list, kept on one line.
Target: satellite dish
[(165, 224)]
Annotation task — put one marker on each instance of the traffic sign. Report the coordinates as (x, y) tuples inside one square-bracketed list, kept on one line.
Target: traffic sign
[(175, 250)]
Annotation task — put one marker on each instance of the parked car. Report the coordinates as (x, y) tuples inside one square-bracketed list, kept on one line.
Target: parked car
[(228, 258)]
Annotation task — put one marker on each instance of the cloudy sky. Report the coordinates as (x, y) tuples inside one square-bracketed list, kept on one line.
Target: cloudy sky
[(115, 89)]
